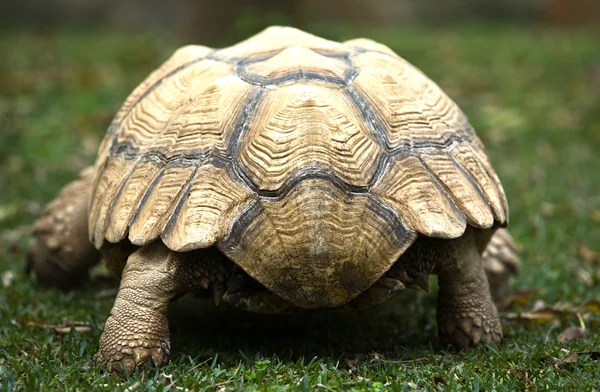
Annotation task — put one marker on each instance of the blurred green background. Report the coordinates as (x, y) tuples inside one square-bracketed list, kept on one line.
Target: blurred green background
[(527, 73)]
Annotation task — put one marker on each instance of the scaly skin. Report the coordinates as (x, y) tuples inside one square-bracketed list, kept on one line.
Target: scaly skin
[(501, 262), (61, 254), (136, 334), (466, 314)]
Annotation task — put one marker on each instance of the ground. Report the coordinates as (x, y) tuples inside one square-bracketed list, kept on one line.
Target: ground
[(533, 95)]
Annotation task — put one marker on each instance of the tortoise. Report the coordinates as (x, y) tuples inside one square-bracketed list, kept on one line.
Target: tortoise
[(283, 173)]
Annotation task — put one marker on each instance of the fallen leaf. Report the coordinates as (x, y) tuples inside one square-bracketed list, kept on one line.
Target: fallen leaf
[(592, 305), (571, 358), (519, 297), (586, 254), (542, 315), (572, 333), (63, 329), (522, 375)]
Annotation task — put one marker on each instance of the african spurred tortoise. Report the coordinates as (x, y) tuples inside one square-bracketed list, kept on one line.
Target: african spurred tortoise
[(285, 172)]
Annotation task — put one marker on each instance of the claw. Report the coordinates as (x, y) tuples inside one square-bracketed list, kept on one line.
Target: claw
[(422, 281), (218, 291), (465, 325), (450, 326), (127, 364), (476, 336), (158, 356), (141, 355)]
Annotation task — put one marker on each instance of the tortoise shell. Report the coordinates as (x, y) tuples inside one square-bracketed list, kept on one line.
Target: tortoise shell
[(311, 164)]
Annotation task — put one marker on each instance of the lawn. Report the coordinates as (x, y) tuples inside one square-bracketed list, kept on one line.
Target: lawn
[(533, 95)]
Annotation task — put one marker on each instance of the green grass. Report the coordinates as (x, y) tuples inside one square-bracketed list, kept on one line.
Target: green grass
[(534, 97)]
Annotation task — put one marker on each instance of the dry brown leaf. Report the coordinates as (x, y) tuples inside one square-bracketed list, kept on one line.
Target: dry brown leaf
[(586, 254), (571, 358), (572, 333), (542, 315), (519, 297), (593, 305), (63, 329)]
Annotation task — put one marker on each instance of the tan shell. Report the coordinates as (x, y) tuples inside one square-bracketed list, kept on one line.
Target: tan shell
[(311, 164)]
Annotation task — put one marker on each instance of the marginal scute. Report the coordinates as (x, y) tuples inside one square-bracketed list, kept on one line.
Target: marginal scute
[(317, 246), (306, 126), (158, 203), (464, 156), (409, 188), (106, 184), (460, 187), (126, 202), (204, 215), (478, 150)]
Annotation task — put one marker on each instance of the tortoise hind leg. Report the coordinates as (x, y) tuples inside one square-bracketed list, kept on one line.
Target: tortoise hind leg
[(501, 263), (466, 313), (62, 254)]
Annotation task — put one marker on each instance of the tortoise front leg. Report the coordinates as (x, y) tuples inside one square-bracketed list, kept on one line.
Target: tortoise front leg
[(62, 254), (466, 313), (136, 333)]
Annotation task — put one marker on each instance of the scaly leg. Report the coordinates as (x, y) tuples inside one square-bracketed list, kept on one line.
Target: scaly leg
[(136, 333), (62, 253), (466, 314), (501, 262)]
